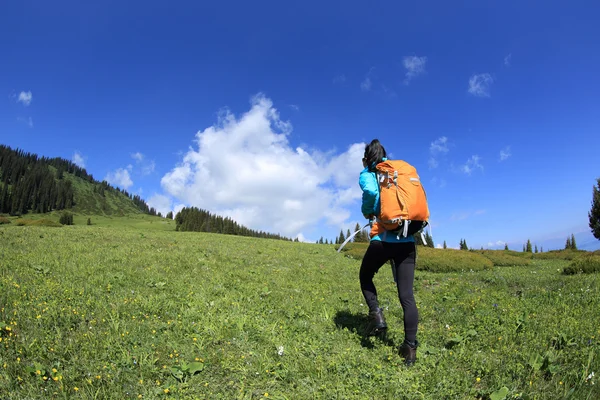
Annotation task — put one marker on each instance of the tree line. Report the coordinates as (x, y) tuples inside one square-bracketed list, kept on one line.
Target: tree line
[(198, 220), (29, 184), (363, 237)]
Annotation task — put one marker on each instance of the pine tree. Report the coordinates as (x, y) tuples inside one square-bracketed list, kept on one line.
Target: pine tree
[(573, 244), (342, 237), (536, 249), (568, 244), (359, 236), (348, 234), (429, 240), (505, 246), (445, 246), (594, 214), (321, 240), (4, 199), (541, 249), (528, 246)]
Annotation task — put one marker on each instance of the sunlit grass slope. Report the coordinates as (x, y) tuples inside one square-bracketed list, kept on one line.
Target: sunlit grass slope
[(117, 312)]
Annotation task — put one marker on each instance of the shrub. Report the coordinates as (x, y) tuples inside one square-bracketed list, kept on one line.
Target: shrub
[(559, 255), (502, 258), (37, 222), (66, 218), (519, 254), (586, 264), (434, 260), (4, 220), (89, 221), (450, 260)]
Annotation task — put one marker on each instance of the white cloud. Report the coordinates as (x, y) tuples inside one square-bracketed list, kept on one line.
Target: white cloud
[(472, 165), (415, 66), (26, 121), (339, 79), (148, 168), (365, 85), (441, 183), (507, 60), (439, 246), (505, 153), (498, 243), (439, 145), (25, 98), (436, 148), (303, 239), (294, 107), (462, 215), (120, 178), (459, 216), (244, 167), (479, 85), (78, 159), (160, 203), (433, 163), (389, 92)]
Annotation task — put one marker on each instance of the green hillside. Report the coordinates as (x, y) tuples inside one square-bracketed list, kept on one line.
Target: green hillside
[(117, 312), (30, 184), (89, 200)]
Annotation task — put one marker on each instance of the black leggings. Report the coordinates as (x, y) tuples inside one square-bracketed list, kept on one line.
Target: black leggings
[(403, 256)]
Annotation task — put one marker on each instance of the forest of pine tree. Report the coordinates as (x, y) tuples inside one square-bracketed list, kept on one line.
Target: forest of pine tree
[(197, 220), (28, 184)]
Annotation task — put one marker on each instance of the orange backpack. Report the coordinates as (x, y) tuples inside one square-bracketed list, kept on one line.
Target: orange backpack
[(402, 198)]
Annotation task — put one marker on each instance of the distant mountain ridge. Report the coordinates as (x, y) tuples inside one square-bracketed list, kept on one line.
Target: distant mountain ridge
[(30, 183)]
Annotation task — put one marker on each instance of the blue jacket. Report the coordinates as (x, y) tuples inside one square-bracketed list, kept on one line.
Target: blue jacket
[(371, 205)]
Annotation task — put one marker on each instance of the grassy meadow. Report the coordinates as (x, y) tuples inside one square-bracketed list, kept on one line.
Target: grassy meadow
[(128, 308)]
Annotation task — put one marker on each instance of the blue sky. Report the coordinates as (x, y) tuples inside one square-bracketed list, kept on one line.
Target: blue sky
[(260, 110)]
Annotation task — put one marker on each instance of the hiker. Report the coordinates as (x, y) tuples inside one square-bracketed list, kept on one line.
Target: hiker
[(386, 246)]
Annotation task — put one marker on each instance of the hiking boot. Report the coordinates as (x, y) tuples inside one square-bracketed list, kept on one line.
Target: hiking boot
[(377, 323), (408, 352)]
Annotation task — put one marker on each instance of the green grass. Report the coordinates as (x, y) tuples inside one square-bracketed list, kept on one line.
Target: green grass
[(37, 222), (114, 312), (87, 202), (137, 220), (500, 258), (433, 260), (559, 255)]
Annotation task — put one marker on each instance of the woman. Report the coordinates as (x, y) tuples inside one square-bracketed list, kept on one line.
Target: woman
[(384, 247)]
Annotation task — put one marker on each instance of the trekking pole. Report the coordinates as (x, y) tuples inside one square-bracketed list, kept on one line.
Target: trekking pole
[(351, 236)]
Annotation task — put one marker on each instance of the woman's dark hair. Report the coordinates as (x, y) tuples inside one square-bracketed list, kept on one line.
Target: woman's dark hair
[(374, 153)]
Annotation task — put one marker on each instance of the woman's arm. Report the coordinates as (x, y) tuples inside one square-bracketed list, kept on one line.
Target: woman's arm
[(370, 196)]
